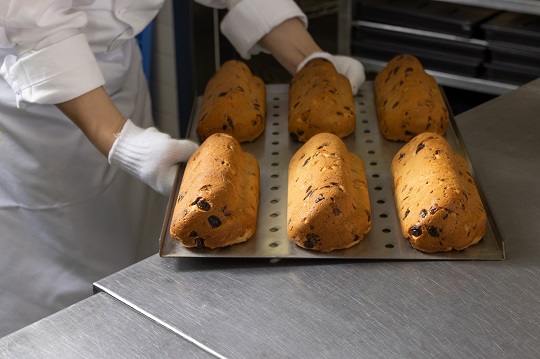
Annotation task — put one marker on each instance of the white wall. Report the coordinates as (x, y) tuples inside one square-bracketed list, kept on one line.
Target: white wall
[(163, 83)]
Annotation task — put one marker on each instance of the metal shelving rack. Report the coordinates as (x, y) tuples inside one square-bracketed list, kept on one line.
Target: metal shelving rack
[(317, 8), (346, 23), (523, 6)]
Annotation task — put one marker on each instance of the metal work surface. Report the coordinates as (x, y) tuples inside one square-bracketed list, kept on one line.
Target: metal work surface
[(98, 327), (301, 308), (274, 150)]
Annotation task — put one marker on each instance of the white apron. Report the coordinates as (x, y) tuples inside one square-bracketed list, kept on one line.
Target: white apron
[(67, 218)]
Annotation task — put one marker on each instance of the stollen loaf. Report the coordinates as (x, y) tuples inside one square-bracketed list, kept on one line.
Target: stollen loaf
[(408, 101), (437, 200), (320, 100), (218, 199), (234, 102), (328, 204)]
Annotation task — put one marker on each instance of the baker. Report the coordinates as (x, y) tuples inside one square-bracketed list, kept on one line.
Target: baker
[(82, 166)]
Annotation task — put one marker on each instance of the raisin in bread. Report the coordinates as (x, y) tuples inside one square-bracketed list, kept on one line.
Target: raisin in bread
[(328, 202), (218, 199), (437, 201), (234, 102), (320, 100), (408, 101)]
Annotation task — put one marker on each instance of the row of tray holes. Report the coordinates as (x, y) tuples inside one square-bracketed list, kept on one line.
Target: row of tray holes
[(376, 175), (275, 175)]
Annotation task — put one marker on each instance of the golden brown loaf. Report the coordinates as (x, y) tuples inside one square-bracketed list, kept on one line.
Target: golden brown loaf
[(218, 199), (437, 200), (320, 100), (328, 203), (408, 101), (234, 102)]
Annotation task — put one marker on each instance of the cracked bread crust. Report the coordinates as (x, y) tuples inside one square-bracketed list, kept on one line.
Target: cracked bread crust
[(408, 101), (437, 201), (234, 102), (218, 200), (328, 203), (320, 100)]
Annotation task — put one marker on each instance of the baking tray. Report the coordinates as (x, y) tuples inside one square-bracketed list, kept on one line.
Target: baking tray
[(445, 45), (510, 73), (455, 19), (518, 55), (513, 29), (274, 149), (431, 60)]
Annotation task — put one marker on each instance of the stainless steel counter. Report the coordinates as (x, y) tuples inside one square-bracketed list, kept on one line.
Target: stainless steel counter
[(309, 308), (98, 327), (374, 309)]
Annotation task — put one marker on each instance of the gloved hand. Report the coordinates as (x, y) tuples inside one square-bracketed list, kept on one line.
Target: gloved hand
[(345, 65), (150, 155)]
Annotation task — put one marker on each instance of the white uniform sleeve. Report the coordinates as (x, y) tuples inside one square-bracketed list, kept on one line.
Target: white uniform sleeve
[(51, 61), (249, 20)]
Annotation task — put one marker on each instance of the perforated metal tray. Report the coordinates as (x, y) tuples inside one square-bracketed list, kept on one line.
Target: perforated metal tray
[(274, 150)]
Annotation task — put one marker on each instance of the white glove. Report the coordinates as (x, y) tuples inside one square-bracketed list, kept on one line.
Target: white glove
[(150, 155), (345, 65)]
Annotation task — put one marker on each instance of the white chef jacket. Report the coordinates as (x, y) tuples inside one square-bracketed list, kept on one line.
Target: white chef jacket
[(67, 218)]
